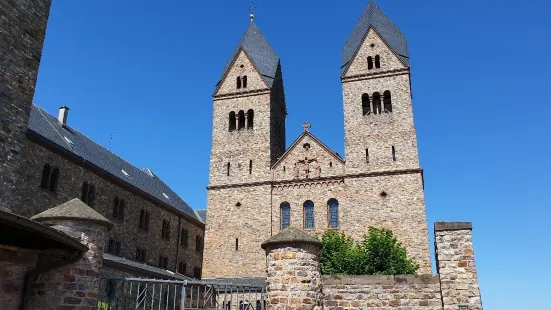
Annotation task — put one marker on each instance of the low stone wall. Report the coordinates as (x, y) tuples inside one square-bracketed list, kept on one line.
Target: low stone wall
[(420, 292)]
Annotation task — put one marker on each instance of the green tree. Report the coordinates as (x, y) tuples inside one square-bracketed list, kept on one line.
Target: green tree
[(341, 255), (378, 253), (385, 255)]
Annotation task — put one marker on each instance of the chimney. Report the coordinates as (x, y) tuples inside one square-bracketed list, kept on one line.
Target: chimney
[(63, 112)]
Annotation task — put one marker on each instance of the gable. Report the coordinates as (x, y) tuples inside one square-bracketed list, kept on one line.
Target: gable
[(308, 158), (374, 45), (241, 67), (374, 17)]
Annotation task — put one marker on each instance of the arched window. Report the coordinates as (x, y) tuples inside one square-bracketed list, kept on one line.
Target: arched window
[(92, 195), (369, 63), (387, 101), (146, 227), (54, 179), (142, 219), (122, 205), (46, 176), (366, 104), (231, 121), (250, 117), (85, 192), (309, 215), (238, 82), (376, 103), (285, 215), (116, 207), (241, 120), (244, 81), (333, 212), (377, 61)]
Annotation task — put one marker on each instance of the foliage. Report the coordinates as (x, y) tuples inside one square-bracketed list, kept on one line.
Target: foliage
[(378, 253), (102, 306)]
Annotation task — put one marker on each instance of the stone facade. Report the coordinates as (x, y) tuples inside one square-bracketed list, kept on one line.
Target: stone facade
[(34, 199), (294, 280), (22, 30), (382, 292), (294, 276), (15, 263), (379, 184), (74, 285), (453, 243)]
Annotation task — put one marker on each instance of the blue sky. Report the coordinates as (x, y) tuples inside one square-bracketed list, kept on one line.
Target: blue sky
[(480, 76)]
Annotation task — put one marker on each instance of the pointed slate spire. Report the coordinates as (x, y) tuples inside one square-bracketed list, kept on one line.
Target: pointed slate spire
[(372, 16), (259, 51)]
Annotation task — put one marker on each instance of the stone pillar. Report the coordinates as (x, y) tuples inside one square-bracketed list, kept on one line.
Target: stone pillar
[(74, 286), (22, 30), (294, 276), (456, 266)]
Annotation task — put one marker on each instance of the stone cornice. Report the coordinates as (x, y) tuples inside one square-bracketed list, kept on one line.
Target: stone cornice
[(264, 91), (375, 75), (318, 180)]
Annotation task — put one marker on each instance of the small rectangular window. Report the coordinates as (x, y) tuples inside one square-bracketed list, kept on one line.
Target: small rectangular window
[(367, 155), (250, 167), (197, 273), (117, 248), (111, 246), (182, 268), (393, 153), (237, 244), (198, 243), (184, 238)]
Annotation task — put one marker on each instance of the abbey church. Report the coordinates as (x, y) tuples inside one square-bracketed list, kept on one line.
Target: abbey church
[(257, 187)]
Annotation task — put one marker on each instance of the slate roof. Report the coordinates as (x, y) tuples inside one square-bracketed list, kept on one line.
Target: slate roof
[(73, 209), (73, 143), (372, 16), (259, 51), (291, 235), (142, 268), (202, 214)]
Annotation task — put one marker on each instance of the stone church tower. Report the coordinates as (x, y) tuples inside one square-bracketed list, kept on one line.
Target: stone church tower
[(257, 187), (248, 136)]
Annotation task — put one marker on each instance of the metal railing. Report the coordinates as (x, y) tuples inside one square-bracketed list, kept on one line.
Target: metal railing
[(119, 293)]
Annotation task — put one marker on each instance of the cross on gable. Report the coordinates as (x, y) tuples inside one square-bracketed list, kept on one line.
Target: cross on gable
[(306, 127)]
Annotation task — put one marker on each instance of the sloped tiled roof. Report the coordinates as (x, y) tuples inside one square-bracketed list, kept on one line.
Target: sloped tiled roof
[(202, 214), (372, 16), (259, 51), (77, 145)]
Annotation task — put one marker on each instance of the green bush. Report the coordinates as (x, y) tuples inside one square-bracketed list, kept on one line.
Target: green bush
[(102, 305), (378, 253)]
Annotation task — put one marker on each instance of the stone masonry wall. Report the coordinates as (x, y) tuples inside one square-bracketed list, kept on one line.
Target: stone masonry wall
[(237, 215), (378, 133), (456, 265), (402, 210), (33, 199), (22, 30), (382, 292), (14, 265), (74, 285), (294, 277)]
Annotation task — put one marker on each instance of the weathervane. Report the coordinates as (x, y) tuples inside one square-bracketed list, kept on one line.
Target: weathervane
[(252, 7)]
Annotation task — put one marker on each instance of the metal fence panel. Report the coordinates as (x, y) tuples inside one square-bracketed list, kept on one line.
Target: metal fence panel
[(119, 293)]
